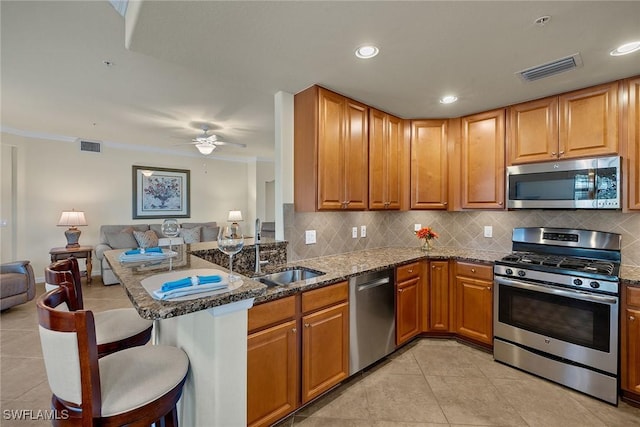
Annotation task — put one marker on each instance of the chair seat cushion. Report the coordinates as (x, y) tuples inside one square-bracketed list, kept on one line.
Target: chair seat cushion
[(117, 324), (136, 376)]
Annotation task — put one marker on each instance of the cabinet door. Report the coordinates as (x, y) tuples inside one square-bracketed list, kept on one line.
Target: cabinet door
[(533, 131), (633, 145), (356, 156), (474, 303), (483, 169), (325, 350), (394, 153), (331, 121), (429, 164), (407, 310), (272, 374), (439, 296), (589, 122), (385, 149), (631, 346)]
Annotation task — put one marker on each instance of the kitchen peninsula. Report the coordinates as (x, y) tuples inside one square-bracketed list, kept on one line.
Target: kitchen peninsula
[(213, 330)]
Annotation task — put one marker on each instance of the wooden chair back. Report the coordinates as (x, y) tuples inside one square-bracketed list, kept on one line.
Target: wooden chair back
[(66, 273)]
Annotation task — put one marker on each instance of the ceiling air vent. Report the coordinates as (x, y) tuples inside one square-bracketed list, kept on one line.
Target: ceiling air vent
[(93, 146), (551, 68)]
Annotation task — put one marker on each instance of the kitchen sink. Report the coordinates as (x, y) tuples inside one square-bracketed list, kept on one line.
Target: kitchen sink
[(285, 277)]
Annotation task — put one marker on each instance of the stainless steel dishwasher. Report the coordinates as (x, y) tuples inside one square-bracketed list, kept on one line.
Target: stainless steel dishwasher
[(372, 320)]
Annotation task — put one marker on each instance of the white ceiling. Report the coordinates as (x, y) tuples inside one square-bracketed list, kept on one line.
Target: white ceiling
[(221, 63)]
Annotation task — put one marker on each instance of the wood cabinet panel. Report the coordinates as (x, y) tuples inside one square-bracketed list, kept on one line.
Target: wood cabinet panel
[(386, 149), (407, 310), (632, 157), (474, 304), (331, 167), (533, 131), (325, 350), (631, 350), (589, 122), (356, 156), (272, 374), (439, 296), (271, 312), (407, 271), (324, 297), (429, 164), (474, 271), (483, 163)]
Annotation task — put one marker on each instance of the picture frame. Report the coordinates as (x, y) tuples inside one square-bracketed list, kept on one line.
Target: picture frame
[(161, 192)]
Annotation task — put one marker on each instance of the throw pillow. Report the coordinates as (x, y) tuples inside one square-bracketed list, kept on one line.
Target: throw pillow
[(190, 235), (210, 234), (146, 239), (121, 240)]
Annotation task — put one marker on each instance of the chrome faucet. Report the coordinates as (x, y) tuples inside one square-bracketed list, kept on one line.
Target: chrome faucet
[(259, 264)]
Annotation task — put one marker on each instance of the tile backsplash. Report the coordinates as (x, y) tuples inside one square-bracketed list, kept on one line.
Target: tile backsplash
[(457, 229)]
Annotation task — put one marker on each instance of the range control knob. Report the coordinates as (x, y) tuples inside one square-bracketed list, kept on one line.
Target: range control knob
[(509, 271), (577, 282), (522, 273), (594, 285)]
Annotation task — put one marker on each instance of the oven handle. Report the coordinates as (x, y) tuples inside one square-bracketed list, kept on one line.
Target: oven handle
[(556, 291)]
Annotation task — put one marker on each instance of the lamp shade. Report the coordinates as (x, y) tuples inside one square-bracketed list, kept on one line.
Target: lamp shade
[(72, 218), (235, 216), (205, 149)]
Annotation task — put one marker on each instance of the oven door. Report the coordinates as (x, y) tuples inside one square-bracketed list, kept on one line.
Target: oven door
[(578, 326)]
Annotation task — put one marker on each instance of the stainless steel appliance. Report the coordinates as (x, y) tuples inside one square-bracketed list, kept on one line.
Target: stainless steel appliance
[(372, 327), (567, 184), (556, 304)]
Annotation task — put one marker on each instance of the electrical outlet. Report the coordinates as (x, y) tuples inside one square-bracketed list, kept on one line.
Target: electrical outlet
[(417, 227), (488, 231), (363, 231), (354, 232), (310, 237)]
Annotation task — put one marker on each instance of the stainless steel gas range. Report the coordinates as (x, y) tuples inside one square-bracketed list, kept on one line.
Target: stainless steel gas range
[(556, 305)]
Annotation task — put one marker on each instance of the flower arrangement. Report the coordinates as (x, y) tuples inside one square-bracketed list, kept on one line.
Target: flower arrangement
[(427, 234)]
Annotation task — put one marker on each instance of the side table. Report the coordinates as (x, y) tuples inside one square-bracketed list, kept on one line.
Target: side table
[(77, 252)]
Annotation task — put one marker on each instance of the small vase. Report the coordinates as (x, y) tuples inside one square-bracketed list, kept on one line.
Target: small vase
[(427, 246)]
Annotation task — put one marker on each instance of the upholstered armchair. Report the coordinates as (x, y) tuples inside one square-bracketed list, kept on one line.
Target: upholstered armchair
[(17, 284)]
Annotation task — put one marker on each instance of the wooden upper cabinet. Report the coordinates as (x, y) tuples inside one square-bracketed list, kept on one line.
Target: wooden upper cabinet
[(483, 163), (330, 151), (589, 122), (386, 149), (533, 131), (429, 164), (631, 166)]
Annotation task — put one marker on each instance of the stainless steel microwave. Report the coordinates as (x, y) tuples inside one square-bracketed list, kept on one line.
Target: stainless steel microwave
[(565, 184)]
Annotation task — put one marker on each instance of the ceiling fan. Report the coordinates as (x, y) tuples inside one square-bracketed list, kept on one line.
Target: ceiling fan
[(206, 142)]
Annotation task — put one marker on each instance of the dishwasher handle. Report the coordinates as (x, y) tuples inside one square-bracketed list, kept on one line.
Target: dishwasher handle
[(374, 284)]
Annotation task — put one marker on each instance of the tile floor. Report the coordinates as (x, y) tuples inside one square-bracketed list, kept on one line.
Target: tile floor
[(426, 383)]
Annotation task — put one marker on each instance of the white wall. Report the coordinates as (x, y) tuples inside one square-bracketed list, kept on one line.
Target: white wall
[(55, 175)]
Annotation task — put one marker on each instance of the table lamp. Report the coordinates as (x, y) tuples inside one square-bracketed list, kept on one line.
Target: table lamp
[(72, 219), (234, 217)]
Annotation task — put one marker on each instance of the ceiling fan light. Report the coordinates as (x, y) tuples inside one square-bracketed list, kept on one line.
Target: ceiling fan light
[(205, 149)]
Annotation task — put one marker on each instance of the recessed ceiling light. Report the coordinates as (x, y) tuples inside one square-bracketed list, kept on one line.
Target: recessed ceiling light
[(542, 21), (626, 49), (367, 51), (448, 99)]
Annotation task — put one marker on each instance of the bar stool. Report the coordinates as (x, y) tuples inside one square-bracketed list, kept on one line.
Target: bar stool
[(116, 329), (135, 386)]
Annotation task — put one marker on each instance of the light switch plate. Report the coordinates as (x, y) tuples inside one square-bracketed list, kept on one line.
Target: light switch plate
[(363, 231), (417, 227), (488, 231), (354, 232), (310, 237)]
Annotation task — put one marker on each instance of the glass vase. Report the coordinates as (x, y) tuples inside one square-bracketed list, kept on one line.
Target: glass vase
[(427, 245)]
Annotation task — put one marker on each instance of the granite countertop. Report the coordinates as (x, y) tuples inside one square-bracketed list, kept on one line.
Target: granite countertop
[(337, 268)]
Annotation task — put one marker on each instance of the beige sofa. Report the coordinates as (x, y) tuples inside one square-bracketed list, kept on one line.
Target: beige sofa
[(121, 237), (17, 284)]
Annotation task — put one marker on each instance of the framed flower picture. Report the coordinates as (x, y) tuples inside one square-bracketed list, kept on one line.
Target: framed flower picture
[(160, 193)]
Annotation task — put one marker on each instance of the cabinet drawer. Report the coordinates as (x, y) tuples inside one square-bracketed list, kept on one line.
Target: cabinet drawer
[(409, 271), (476, 271), (271, 312), (324, 297), (633, 296)]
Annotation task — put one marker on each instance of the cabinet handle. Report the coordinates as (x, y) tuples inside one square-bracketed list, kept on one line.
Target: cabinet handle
[(294, 330), (632, 318), (553, 154), (560, 153), (433, 266), (444, 203), (473, 270), (488, 288), (410, 271), (500, 203), (306, 325)]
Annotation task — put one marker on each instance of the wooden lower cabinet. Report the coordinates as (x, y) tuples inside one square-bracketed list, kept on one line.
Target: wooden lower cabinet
[(630, 343), (273, 361), (474, 302), (439, 297), (407, 302), (325, 339)]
